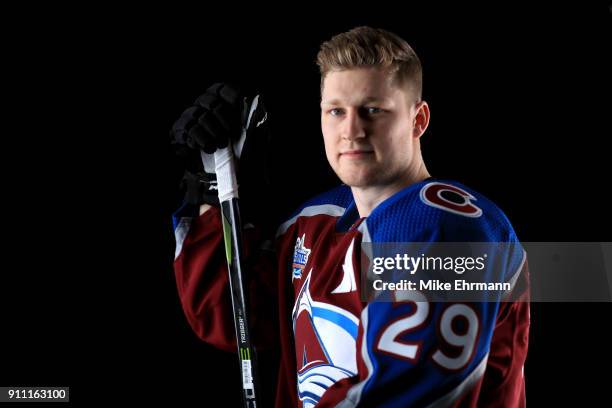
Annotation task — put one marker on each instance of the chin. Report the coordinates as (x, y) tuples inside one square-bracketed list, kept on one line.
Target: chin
[(359, 174)]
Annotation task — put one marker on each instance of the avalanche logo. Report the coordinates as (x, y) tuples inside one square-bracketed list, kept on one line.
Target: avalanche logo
[(325, 343), (300, 257), (450, 198)]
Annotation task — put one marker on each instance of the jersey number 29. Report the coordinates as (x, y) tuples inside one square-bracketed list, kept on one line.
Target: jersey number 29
[(389, 342)]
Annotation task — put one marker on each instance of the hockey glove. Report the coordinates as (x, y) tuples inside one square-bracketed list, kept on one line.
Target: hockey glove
[(219, 117)]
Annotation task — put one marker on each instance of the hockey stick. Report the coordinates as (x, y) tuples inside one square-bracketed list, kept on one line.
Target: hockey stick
[(227, 186)]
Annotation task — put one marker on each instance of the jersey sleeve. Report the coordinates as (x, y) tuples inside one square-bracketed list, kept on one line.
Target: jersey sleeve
[(203, 285)]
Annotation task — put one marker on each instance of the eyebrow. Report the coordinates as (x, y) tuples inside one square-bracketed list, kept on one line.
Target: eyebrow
[(369, 99)]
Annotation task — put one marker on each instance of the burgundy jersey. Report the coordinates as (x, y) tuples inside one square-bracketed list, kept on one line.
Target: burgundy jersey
[(336, 349)]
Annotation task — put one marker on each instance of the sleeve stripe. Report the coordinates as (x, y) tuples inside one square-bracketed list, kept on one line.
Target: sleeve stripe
[(516, 275), (180, 233), (325, 209)]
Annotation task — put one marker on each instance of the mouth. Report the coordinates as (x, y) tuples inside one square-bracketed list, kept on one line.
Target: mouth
[(356, 154)]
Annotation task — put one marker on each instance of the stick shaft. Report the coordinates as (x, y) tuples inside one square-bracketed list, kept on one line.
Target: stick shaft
[(232, 234)]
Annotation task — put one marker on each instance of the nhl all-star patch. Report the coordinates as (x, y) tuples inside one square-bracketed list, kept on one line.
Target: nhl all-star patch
[(300, 257)]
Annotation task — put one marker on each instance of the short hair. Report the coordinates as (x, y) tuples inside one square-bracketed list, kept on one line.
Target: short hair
[(372, 47)]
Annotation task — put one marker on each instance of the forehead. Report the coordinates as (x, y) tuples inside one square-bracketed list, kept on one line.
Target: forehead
[(355, 85)]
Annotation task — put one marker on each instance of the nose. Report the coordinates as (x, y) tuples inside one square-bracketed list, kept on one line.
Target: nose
[(353, 126)]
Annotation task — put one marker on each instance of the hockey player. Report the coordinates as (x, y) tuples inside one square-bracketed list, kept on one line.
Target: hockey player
[(336, 349)]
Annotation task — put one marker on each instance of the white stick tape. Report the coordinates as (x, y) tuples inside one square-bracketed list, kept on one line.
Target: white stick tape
[(226, 174)]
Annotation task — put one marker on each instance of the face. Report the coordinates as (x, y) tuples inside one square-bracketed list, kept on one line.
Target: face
[(371, 127)]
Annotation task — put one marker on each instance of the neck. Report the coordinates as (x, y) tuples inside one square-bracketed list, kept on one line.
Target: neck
[(368, 198)]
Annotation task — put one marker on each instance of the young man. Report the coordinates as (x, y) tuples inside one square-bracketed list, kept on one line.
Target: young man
[(337, 350)]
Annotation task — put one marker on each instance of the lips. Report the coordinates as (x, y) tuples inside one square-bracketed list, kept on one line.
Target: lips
[(356, 153)]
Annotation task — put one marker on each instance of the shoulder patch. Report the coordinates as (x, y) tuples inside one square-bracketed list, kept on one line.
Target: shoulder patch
[(300, 257), (450, 198)]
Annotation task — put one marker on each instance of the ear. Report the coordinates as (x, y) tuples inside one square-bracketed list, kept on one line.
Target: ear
[(421, 119)]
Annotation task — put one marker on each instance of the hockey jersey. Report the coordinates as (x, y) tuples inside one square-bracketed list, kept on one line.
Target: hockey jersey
[(336, 348)]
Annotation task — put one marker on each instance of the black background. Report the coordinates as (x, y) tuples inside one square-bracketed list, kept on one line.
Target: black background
[(520, 102)]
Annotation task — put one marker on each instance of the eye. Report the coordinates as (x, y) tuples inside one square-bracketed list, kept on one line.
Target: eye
[(336, 112), (371, 110)]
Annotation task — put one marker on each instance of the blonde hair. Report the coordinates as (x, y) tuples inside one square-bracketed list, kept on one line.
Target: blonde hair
[(372, 47)]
